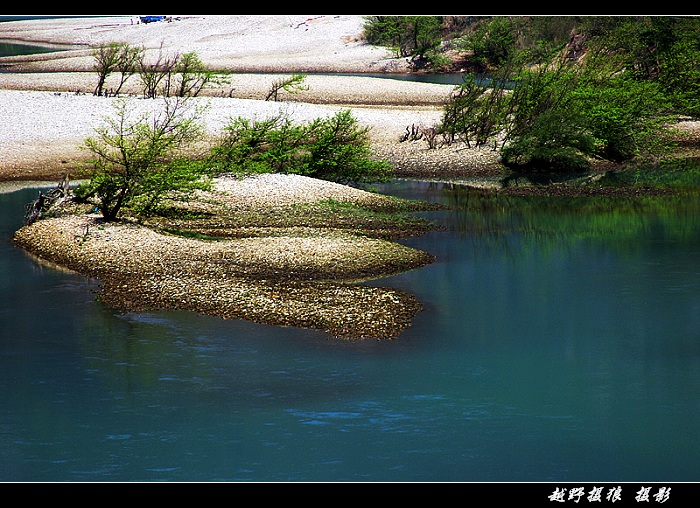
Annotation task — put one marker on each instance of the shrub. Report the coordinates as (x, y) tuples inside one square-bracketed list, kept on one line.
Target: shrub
[(332, 148), (555, 142), (139, 162)]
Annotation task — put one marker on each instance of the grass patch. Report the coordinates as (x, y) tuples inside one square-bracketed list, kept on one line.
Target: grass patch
[(388, 221), (195, 235)]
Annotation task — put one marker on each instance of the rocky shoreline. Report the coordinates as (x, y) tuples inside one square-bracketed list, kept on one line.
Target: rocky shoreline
[(52, 92), (244, 261), (275, 249), (304, 271)]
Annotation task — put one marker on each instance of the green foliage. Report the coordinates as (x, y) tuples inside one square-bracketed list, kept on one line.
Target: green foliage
[(680, 77), (660, 49), (474, 114), (339, 150), (558, 116), (332, 148), (624, 114), (140, 161), (492, 42), (291, 84), (115, 57), (257, 146), (537, 38), (663, 49), (554, 142), (192, 75), (414, 36), (485, 42), (183, 75)]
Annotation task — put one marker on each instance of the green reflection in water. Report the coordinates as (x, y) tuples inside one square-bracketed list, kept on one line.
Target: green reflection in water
[(494, 218)]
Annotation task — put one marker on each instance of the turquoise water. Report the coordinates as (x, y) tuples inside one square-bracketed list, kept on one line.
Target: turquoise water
[(560, 342), (14, 49)]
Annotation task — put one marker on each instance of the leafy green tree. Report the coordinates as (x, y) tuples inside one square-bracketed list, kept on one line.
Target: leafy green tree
[(338, 149), (543, 128), (680, 76), (492, 43), (414, 36), (180, 75), (627, 116), (115, 57), (557, 116), (193, 75), (475, 113), (539, 90), (661, 49), (258, 146), (554, 142), (141, 160)]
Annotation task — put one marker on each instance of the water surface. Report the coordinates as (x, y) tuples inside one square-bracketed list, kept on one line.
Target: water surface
[(560, 341), (18, 49)]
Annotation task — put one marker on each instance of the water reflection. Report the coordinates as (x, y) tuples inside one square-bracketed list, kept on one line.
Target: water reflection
[(16, 49), (559, 342), (496, 217)]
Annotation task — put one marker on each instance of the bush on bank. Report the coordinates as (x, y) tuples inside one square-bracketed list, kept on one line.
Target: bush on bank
[(141, 161), (333, 148)]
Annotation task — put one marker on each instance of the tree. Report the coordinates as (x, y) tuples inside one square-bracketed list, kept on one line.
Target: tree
[(664, 49), (475, 112), (291, 84), (139, 161), (492, 43), (105, 56), (557, 116), (414, 36), (154, 74), (115, 57), (554, 142), (127, 64), (180, 75), (193, 75), (626, 115), (339, 150), (258, 146)]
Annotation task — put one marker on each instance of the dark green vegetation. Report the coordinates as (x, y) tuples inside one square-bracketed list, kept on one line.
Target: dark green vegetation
[(562, 91), (415, 36), (140, 161), (333, 148)]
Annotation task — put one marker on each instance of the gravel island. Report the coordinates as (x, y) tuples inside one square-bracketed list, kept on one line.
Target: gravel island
[(303, 272), (247, 261)]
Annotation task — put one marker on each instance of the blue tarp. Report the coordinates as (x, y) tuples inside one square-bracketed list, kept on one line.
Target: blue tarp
[(151, 19)]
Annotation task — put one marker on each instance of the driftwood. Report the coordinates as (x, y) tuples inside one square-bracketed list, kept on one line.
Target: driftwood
[(430, 134), (414, 134), (36, 209)]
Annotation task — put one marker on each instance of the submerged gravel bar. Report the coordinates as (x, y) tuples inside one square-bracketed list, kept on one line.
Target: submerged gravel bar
[(270, 250), (302, 276)]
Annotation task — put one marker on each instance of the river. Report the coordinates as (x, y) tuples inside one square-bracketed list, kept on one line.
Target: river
[(559, 342)]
